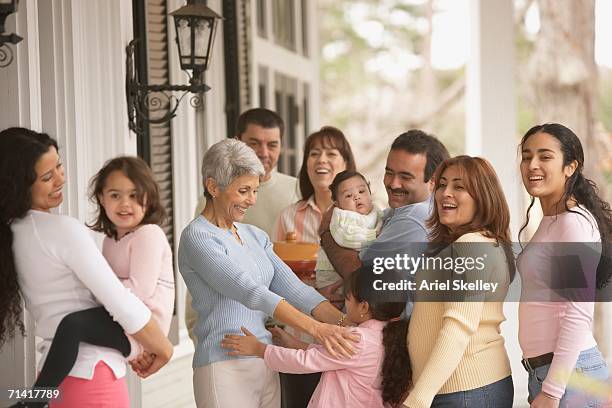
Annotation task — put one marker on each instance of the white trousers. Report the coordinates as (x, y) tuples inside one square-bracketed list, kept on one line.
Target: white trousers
[(245, 383)]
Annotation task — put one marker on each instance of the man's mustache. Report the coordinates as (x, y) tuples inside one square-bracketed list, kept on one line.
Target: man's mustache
[(397, 190)]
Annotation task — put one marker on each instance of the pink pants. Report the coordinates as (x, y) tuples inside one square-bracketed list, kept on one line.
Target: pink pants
[(102, 391)]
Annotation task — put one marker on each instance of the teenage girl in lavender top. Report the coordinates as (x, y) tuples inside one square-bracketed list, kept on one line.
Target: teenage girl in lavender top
[(556, 334)]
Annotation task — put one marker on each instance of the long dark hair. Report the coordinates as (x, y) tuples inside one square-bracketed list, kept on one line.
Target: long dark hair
[(328, 137), (582, 190), (147, 192), (492, 217), (396, 371), (20, 149)]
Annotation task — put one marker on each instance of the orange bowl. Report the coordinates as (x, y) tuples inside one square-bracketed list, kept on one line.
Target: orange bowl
[(296, 251), (301, 257)]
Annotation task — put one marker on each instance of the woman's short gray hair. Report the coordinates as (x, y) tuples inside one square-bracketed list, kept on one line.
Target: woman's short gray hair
[(227, 160)]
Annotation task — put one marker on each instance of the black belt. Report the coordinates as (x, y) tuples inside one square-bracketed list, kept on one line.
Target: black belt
[(539, 361)]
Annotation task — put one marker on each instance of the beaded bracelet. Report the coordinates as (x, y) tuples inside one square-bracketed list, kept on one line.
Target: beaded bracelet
[(341, 320)]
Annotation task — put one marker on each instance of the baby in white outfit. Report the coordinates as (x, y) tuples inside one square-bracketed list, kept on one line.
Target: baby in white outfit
[(354, 224)]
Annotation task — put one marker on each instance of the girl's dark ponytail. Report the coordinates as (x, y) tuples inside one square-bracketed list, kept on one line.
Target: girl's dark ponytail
[(585, 192), (396, 370)]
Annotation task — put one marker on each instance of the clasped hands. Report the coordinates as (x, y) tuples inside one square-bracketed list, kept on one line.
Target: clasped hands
[(147, 363)]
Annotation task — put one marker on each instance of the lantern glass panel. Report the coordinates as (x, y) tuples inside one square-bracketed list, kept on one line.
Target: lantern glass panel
[(203, 31), (183, 32)]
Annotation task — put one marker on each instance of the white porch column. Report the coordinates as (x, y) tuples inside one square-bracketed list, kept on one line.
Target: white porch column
[(490, 95), (82, 57), (211, 119), (20, 81), (491, 130), (20, 106), (66, 80)]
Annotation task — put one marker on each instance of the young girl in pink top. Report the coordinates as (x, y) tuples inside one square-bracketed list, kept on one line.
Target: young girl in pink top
[(379, 373), (562, 266), (129, 214)]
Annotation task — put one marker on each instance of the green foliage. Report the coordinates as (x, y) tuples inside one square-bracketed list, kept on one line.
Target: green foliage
[(347, 49), (360, 40), (526, 116)]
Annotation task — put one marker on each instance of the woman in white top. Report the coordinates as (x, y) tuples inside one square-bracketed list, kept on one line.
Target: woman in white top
[(54, 264)]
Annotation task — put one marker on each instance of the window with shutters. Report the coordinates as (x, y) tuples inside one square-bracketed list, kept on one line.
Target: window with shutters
[(285, 98), (304, 13), (306, 110), (237, 55), (155, 144), (256, 77), (284, 23), (263, 87), (262, 19)]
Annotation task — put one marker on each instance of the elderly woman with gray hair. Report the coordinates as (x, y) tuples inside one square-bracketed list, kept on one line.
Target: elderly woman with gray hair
[(236, 281)]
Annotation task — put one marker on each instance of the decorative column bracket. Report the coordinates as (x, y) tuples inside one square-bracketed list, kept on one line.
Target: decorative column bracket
[(156, 103), (6, 52)]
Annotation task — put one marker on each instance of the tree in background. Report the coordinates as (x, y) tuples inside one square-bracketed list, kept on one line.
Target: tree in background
[(377, 78), (563, 76), (560, 81), (563, 83)]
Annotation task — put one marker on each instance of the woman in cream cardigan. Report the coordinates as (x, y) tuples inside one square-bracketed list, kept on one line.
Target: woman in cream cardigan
[(454, 341)]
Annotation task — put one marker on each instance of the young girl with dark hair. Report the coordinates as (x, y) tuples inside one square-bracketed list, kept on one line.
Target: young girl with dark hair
[(53, 262), (136, 248), (379, 373), (327, 152), (555, 332)]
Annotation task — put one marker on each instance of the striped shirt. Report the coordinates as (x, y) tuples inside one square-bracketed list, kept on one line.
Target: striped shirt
[(235, 284), (303, 218)]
